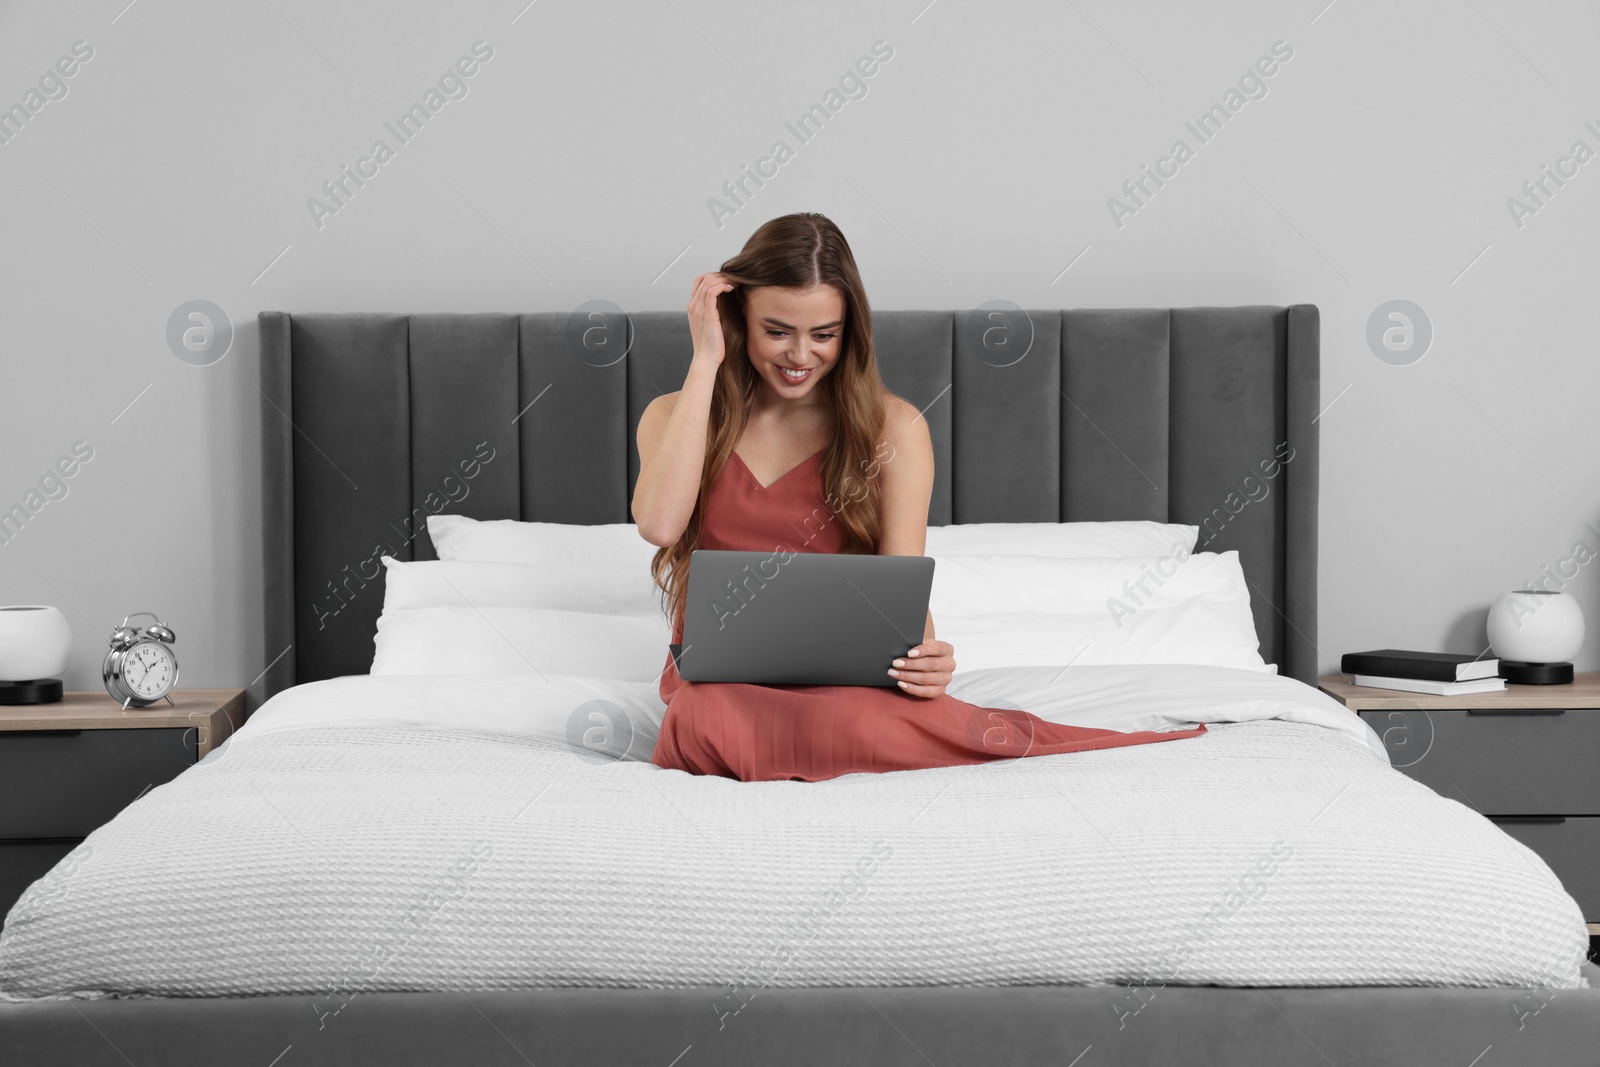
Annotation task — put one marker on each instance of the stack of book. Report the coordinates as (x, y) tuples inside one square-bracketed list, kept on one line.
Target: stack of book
[(1440, 673)]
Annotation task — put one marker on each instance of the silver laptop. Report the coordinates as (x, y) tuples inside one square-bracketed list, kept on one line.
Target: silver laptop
[(819, 618)]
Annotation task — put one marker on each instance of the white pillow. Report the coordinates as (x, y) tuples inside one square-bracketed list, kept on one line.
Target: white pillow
[(447, 617), (1063, 540), (1007, 611), (1013, 593), (602, 588), (456, 537), (533, 641)]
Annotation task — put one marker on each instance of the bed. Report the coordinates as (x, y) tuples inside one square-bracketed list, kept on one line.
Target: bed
[(420, 869)]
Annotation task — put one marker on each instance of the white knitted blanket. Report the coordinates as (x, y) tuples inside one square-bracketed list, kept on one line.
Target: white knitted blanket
[(381, 851)]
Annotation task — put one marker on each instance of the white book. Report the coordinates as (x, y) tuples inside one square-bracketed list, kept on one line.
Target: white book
[(1438, 689)]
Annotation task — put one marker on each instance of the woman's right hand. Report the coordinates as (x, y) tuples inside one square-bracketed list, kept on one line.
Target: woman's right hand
[(705, 320)]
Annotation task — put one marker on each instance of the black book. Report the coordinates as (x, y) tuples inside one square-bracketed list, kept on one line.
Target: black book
[(1432, 666)]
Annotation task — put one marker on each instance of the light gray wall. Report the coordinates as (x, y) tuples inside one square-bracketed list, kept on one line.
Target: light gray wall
[(978, 166)]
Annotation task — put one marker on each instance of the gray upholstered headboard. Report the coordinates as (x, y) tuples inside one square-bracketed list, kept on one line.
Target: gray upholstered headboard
[(370, 422)]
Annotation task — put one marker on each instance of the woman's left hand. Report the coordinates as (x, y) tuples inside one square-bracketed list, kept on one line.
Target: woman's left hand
[(926, 669)]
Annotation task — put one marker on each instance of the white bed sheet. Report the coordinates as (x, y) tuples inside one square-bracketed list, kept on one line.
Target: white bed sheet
[(1159, 697), (367, 834)]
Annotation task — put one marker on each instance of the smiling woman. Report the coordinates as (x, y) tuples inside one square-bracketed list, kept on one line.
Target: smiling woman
[(784, 438)]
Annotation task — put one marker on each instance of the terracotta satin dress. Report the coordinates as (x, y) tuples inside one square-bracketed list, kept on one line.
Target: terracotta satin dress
[(814, 732)]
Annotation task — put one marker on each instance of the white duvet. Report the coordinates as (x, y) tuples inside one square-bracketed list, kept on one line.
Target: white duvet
[(417, 833)]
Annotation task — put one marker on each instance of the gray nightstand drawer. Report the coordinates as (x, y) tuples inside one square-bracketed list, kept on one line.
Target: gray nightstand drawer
[(66, 783), (1572, 849), (1537, 762)]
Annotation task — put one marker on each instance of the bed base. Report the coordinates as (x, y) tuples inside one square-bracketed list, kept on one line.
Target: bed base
[(1093, 1026)]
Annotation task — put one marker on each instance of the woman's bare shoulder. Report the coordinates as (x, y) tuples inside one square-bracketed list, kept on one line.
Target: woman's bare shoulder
[(901, 416), (652, 421), (663, 401), (659, 408)]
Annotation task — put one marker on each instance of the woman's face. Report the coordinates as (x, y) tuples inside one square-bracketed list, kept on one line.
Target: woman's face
[(797, 330)]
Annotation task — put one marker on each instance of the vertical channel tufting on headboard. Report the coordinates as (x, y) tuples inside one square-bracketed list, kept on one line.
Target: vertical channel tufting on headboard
[(371, 422), (277, 503), (1005, 407), (1116, 409), (464, 450), (1227, 367), (573, 419), (1300, 492)]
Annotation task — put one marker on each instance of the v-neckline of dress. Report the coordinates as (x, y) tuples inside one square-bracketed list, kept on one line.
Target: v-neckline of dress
[(781, 477)]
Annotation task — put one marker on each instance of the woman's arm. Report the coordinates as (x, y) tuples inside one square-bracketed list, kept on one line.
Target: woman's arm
[(672, 451), (673, 428), (905, 481), (906, 490)]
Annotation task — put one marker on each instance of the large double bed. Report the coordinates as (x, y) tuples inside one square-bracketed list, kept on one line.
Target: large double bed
[(411, 868)]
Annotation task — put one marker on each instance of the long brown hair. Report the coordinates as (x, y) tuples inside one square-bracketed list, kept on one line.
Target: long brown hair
[(794, 251)]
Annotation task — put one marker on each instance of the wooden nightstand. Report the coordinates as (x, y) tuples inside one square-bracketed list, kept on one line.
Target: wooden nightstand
[(68, 767), (1523, 757)]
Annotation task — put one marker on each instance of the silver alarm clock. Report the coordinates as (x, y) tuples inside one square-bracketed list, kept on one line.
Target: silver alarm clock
[(140, 667)]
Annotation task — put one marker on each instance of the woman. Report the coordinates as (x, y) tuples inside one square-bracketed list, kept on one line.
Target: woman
[(783, 435)]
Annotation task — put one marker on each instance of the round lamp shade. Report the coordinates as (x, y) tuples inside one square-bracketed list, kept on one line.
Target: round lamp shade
[(35, 643), (1535, 626)]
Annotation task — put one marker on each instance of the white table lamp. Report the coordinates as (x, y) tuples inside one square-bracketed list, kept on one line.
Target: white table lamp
[(35, 644), (1535, 632)]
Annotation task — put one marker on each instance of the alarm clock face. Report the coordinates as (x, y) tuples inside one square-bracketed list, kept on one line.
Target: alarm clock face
[(149, 670)]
